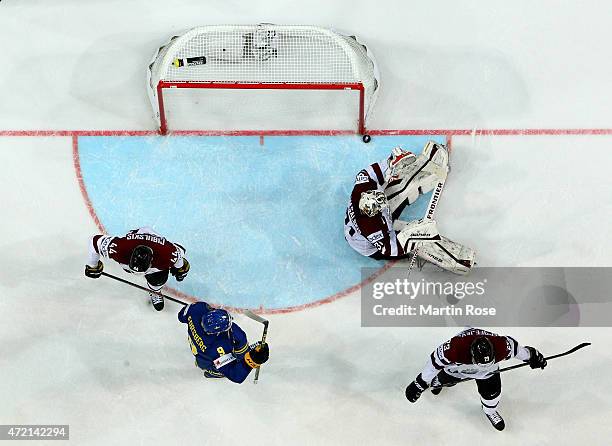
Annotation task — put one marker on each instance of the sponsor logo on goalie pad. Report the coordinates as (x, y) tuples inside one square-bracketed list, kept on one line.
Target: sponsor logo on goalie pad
[(434, 200)]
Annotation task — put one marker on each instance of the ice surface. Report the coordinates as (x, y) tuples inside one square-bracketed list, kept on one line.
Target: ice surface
[(251, 211), (92, 354)]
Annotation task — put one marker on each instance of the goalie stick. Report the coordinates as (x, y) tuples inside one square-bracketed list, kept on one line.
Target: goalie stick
[(265, 323)]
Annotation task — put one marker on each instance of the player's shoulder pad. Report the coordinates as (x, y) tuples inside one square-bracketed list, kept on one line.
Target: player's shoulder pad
[(237, 331), (512, 346), (443, 352), (473, 331), (183, 314), (194, 308), (102, 245), (239, 339), (177, 253), (94, 242), (201, 306)]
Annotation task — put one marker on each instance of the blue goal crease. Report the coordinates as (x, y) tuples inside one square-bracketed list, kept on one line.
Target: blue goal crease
[(250, 215)]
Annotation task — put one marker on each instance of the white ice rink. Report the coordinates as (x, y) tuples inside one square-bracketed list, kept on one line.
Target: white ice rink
[(92, 355)]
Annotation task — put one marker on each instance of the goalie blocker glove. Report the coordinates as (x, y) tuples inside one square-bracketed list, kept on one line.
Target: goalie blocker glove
[(415, 388), (536, 359), (258, 356), (94, 272), (180, 273)]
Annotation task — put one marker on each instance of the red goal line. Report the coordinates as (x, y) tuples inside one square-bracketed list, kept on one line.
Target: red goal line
[(414, 132)]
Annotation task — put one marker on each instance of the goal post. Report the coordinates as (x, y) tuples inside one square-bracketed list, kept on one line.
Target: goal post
[(293, 73)]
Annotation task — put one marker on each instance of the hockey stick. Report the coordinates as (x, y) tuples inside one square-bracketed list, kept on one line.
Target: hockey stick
[(548, 358), (265, 323), (143, 288), (569, 352)]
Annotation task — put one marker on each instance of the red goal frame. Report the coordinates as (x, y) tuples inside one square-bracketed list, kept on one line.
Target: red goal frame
[(163, 129)]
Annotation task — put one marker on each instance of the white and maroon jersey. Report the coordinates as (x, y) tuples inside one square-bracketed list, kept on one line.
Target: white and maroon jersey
[(455, 358), (165, 253), (368, 235)]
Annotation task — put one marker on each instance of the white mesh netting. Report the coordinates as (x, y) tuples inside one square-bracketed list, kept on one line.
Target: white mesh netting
[(264, 54)]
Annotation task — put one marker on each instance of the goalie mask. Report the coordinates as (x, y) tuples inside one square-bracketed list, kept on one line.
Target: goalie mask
[(372, 202)]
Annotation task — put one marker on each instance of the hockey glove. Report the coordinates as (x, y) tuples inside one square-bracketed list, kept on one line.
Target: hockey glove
[(416, 387), (536, 360), (257, 356), (95, 271), (180, 273)]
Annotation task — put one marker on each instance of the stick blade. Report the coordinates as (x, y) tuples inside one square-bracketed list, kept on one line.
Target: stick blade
[(256, 317)]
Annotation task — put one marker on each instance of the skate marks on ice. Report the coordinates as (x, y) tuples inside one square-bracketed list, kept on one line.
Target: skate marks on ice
[(262, 224)]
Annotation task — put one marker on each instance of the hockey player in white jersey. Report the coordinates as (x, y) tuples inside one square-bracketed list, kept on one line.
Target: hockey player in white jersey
[(380, 194), (473, 353)]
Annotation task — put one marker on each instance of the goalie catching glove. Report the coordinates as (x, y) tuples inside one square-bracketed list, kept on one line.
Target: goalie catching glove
[(258, 356), (180, 273), (94, 272)]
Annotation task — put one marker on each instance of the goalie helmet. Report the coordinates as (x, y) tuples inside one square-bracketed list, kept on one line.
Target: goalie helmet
[(216, 321), (482, 351), (141, 259), (372, 202)]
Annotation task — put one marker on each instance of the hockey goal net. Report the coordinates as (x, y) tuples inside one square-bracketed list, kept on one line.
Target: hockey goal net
[(262, 77)]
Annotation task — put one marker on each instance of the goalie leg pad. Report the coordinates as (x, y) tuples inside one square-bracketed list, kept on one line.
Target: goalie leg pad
[(437, 153), (419, 177), (401, 194), (448, 255), (414, 233)]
